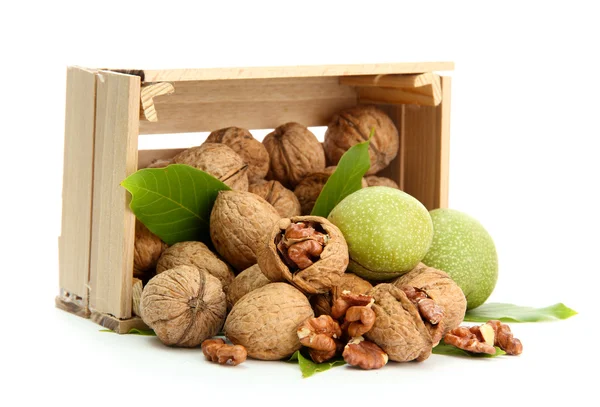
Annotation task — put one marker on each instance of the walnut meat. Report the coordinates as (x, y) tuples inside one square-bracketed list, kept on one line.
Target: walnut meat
[(308, 251), (282, 199), (184, 305), (147, 250), (294, 152), (219, 161), (375, 181), (196, 254), (248, 280), (239, 223), (252, 151), (265, 321), (353, 126)]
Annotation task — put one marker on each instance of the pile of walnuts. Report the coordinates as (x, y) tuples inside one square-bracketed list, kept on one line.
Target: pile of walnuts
[(273, 278)]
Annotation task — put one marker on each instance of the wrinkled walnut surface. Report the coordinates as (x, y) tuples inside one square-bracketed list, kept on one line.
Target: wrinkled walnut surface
[(282, 199), (321, 335), (364, 354), (375, 181), (184, 306), (196, 254), (252, 151), (147, 250), (265, 321), (353, 126), (245, 282)]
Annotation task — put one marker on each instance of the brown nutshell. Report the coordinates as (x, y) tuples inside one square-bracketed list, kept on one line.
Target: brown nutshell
[(252, 151), (248, 280), (376, 181), (184, 306), (265, 321), (350, 282), (283, 200), (147, 250), (353, 126)]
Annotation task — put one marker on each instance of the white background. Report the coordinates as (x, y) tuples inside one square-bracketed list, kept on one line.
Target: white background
[(524, 161)]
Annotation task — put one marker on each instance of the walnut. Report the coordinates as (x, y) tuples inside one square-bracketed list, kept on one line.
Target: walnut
[(282, 199), (239, 223), (439, 287), (353, 126), (216, 350), (374, 181), (470, 339), (308, 251), (350, 282), (265, 320), (359, 320), (196, 254), (294, 153), (347, 300), (184, 306), (252, 151), (321, 335), (136, 296), (147, 250), (364, 354), (245, 282), (504, 339), (219, 161), (321, 304), (159, 163)]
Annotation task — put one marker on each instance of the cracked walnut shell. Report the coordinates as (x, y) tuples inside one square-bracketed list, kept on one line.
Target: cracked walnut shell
[(184, 306), (265, 321), (353, 126), (308, 251), (147, 250), (283, 200), (248, 280)]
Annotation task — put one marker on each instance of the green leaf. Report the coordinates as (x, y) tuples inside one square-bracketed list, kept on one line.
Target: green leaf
[(135, 331), (346, 178), (174, 202), (515, 313), (449, 350), (309, 368)]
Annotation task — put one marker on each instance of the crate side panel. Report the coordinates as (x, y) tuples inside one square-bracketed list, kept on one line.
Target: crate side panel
[(444, 150), (250, 103), (74, 241), (113, 226)]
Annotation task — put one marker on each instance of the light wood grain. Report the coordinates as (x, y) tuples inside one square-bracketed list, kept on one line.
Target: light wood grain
[(443, 157), (420, 89), (113, 230), (74, 241), (171, 75), (393, 96), (249, 103), (389, 81), (149, 92)]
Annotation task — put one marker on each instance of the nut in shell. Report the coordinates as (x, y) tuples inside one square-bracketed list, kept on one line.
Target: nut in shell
[(307, 251), (377, 181), (147, 250), (281, 198), (184, 306), (350, 282), (265, 321), (248, 280), (218, 160)]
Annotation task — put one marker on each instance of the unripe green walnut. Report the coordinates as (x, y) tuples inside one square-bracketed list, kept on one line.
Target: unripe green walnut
[(464, 249), (388, 231)]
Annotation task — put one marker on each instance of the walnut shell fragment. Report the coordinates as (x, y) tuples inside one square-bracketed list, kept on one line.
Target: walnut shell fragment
[(196, 254), (350, 282), (441, 288), (251, 150), (376, 181), (239, 223), (218, 160), (353, 126), (398, 329), (294, 152), (184, 306), (265, 321), (283, 200), (147, 250), (248, 280), (311, 272)]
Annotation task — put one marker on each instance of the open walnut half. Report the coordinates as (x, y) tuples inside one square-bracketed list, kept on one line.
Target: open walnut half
[(307, 251)]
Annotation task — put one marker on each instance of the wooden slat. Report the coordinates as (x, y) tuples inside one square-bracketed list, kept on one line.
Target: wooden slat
[(389, 81), (171, 75), (74, 242), (145, 157), (444, 150), (250, 103), (149, 92), (394, 96), (113, 230)]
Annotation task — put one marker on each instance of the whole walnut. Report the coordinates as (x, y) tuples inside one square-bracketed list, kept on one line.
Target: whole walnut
[(353, 126), (441, 288), (245, 282), (239, 223), (219, 161), (282, 199), (294, 153), (184, 306), (265, 321), (375, 181), (308, 251), (147, 250), (159, 163), (252, 151), (196, 254)]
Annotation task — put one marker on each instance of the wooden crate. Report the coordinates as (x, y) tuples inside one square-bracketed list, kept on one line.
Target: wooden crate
[(106, 110)]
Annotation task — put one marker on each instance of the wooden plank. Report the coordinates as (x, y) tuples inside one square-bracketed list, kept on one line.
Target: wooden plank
[(120, 326), (74, 241), (249, 103), (389, 81), (145, 157), (113, 227), (149, 92), (444, 150), (210, 74), (394, 96)]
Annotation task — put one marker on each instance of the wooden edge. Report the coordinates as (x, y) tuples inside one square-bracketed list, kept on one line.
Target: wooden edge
[(72, 306), (444, 146), (419, 89), (148, 93), (120, 326), (388, 81), (393, 96)]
